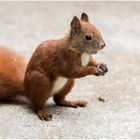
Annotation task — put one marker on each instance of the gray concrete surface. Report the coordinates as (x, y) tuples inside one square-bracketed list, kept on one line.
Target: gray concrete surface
[(23, 25)]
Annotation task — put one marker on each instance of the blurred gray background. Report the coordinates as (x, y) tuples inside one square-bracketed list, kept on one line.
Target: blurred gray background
[(24, 25)]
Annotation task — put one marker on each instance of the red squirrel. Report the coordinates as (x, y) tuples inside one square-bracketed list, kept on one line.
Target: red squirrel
[(53, 67)]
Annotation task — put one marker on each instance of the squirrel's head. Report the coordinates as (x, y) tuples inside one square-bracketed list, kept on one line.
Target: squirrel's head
[(85, 36)]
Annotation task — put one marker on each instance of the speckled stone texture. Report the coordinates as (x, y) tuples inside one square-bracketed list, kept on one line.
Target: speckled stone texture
[(23, 25)]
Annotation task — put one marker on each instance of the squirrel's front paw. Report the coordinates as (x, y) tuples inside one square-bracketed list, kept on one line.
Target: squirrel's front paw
[(103, 67), (99, 72)]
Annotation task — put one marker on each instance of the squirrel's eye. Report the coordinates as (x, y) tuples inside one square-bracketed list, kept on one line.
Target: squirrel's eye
[(88, 37)]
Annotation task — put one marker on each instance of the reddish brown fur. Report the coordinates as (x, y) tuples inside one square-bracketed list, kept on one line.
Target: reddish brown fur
[(56, 58)]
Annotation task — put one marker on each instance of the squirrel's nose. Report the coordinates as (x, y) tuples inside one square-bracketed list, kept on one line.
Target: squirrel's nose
[(102, 45)]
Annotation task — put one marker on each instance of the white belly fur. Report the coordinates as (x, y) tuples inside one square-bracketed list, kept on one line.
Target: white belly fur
[(85, 59), (58, 85)]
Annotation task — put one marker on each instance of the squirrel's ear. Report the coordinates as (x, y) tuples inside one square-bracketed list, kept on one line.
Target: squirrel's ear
[(75, 25), (84, 17)]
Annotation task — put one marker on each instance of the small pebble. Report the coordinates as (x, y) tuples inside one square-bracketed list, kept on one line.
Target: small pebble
[(101, 99)]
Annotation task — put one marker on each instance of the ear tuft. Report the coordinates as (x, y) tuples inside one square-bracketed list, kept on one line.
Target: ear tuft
[(75, 25), (84, 17)]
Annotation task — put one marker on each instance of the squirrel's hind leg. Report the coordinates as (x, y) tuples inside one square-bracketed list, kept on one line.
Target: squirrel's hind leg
[(38, 87)]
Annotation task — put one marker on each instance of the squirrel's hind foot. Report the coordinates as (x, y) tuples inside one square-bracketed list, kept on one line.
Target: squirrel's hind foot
[(44, 115), (73, 104)]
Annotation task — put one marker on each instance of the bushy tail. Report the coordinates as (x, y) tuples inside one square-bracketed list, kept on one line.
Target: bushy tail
[(12, 70)]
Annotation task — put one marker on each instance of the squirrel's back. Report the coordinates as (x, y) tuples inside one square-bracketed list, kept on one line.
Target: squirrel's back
[(12, 70)]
